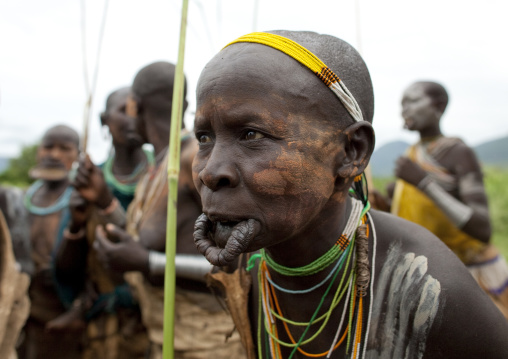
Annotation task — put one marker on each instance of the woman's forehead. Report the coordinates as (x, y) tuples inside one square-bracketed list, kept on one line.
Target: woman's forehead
[(251, 66), (244, 72), (59, 136), (415, 91)]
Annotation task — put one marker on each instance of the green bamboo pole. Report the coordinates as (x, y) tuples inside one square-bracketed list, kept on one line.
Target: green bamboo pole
[(173, 171)]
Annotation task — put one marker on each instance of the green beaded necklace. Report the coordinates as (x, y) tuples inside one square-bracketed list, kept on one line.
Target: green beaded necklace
[(128, 185), (343, 249)]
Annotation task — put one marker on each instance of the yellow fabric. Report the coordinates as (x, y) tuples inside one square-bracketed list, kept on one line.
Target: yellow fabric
[(412, 204)]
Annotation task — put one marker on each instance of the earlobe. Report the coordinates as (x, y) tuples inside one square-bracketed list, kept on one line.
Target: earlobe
[(359, 141)]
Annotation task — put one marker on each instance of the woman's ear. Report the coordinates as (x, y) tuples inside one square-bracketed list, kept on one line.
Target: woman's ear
[(359, 141)]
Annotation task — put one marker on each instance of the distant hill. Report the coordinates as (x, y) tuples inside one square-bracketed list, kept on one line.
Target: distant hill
[(4, 162), (493, 152), (383, 159)]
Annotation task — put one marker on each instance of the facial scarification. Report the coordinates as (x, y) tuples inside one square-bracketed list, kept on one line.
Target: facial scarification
[(271, 182), (265, 169), (288, 175)]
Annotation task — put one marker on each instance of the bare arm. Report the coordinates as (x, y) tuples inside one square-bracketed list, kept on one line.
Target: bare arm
[(70, 260), (472, 193), (130, 255)]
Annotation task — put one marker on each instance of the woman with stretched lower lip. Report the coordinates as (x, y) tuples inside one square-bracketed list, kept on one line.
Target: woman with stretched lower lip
[(47, 202), (283, 143), (53, 164)]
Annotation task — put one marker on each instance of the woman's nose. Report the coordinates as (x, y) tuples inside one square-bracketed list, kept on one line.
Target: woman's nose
[(220, 171)]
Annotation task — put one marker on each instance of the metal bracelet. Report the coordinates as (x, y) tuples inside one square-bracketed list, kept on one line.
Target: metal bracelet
[(156, 262), (455, 210), (187, 266), (193, 267), (424, 182)]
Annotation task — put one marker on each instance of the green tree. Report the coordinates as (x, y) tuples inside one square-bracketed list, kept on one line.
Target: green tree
[(17, 172)]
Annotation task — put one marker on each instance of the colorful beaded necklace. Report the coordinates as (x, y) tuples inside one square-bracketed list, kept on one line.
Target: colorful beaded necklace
[(348, 253), (127, 185), (61, 203)]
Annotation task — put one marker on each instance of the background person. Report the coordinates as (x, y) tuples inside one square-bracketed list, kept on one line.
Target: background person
[(441, 188)]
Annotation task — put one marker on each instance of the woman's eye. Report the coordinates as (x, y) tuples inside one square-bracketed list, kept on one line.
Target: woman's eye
[(204, 139), (253, 135)]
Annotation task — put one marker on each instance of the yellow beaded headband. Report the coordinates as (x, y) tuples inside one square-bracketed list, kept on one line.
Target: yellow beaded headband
[(312, 62)]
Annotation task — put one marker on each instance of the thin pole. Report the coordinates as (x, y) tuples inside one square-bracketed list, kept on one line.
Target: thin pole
[(255, 17), (358, 27), (173, 172), (368, 171), (90, 88)]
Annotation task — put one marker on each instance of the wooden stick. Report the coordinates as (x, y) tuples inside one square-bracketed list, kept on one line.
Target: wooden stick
[(173, 172), (90, 87)]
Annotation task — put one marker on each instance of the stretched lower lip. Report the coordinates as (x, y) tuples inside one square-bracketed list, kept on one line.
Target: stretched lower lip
[(48, 173), (222, 231), (223, 241)]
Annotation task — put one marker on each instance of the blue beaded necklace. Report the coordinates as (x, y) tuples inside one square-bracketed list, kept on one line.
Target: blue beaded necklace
[(61, 203)]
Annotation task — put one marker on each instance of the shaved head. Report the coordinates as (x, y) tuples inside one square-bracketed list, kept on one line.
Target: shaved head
[(63, 132), (156, 78), (300, 81), (120, 93), (153, 88), (436, 92), (343, 60)]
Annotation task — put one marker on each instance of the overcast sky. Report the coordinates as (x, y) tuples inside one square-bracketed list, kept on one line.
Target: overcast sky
[(462, 44)]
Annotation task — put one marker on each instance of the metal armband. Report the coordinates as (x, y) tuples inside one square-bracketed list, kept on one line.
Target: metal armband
[(187, 266), (455, 210), (156, 262), (191, 266)]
